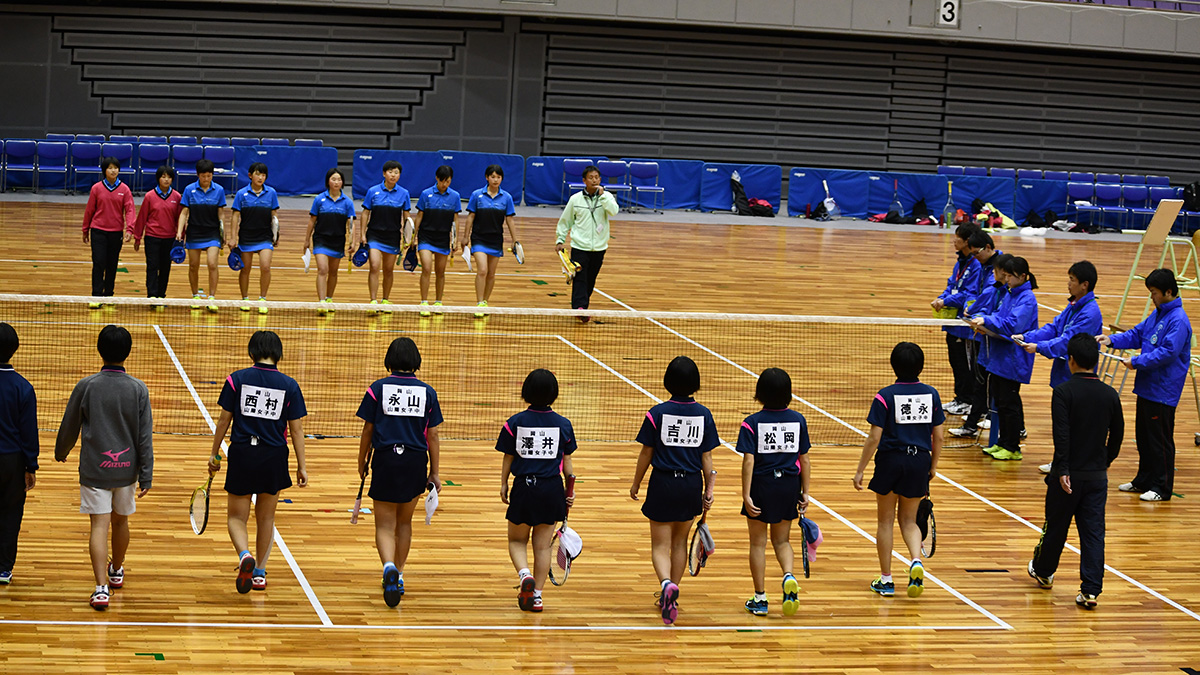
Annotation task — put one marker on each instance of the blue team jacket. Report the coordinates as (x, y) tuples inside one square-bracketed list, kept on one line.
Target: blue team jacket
[(961, 288), (1081, 316), (987, 303), (1018, 313), (1165, 338)]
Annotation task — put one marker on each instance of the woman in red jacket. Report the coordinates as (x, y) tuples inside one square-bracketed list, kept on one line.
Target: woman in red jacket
[(107, 219), (157, 219)]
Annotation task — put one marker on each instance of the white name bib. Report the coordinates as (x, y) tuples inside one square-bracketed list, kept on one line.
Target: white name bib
[(681, 432), (262, 402), (537, 442), (400, 401), (778, 437), (914, 409)]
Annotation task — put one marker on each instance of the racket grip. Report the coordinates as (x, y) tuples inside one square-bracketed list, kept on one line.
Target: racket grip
[(570, 486), (357, 508)]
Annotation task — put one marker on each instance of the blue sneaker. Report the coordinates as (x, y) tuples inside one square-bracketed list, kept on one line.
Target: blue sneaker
[(791, 595), (391, 586), (756, 607), (916, 579), (5, 578), (885, 589)]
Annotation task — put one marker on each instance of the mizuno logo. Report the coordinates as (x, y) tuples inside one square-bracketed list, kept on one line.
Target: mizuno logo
[(115, 456)]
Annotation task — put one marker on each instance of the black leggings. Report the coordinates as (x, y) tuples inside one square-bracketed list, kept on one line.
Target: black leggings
[(106, 250)]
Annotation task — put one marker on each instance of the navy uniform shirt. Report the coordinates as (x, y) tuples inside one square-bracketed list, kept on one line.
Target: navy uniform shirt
[(332, 214), (403, 409), (204, 211), (256, 209), (262, 400), (680, 431), (907, 412), (18, 417), (776, 438), (487, 229), (438, 211), (387, 209), (538, 439)]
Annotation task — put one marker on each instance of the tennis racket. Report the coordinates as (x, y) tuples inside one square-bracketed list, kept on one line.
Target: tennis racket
[(700, 547), (928, 527), (560, 557), (518, 252), (406, 233), (948, 211), (361, 484), (569, 267), (830, 205), (896, 205), (453, 238), (198, 509), (804, 554)]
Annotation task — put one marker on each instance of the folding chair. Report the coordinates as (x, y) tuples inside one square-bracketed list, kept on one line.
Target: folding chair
[(52, 158), (1081, 192), (183, 160), (85, 158), (123, 153), (1029, 174), (214, 140), (222, 158), (618, 171), (1158, 181), (161, 140), (1003, 173), (274, 141), (949, 170), (20, 156), (242, 141), (150, 157), (1108, 178), (309, 143), (182, 140), (646, 171), (1082, 177), (974, 170), (66, 138), (573, 168), (1056, 175), (89, 138)]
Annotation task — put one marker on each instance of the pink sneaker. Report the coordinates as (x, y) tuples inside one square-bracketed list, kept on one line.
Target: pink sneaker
[(670, 606)]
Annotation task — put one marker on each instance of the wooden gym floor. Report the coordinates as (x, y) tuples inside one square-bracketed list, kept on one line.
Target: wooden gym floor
[(179, 611)]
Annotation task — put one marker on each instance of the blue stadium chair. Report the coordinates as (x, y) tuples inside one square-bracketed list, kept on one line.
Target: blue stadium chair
[(222, 158), (66, 138), (161, 140), (123, 139), (274, 141), (645, 171), (182, 140), (85, 158), (949, 170), (1081, 192), (614, 175), (1003, 173), (1183, 213), (214, 140), (52, 158), (573, 169), (1029, 174), (20, 156), (1055, 175), (183, 160), (1082, 177), (1133, 179), (974, 170), (1158, 181), (242, 141), (1108, 199), (309, 143), (123, 153), (1108, 178), (150, 157), (1136, 198), (89, 138)]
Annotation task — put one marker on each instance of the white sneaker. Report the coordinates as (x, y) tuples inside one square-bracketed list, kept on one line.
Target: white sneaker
[(986, 423), (1127, 487), (955, 408), (1044, 468), (964, 432), (1152, 496)]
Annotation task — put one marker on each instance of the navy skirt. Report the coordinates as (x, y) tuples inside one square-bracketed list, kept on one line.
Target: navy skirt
[(776, 497), (398, 474), (673, 496), (257, 469), (536, 500)]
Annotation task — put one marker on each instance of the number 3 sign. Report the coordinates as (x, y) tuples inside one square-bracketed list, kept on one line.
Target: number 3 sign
[(948, 13)]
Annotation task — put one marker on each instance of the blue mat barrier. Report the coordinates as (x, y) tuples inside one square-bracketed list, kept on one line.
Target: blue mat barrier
[(416, 170), (996, 191), (848, 188), (761, 181), (1040, 195), (544, 180), (680, 180), (292, 170), (469, 167)]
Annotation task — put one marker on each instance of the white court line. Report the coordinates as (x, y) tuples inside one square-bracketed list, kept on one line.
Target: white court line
[(735, 365), (287, 554), (755, 628), (943, 477), (999, 623)]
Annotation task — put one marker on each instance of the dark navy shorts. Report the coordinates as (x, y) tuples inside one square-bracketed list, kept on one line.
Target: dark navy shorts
[(905, 474)]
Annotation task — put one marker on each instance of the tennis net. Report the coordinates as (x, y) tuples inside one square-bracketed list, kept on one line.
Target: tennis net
[(609, 370)]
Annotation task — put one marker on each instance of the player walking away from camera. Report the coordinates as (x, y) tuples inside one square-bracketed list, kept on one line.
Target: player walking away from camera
[(906, 439)]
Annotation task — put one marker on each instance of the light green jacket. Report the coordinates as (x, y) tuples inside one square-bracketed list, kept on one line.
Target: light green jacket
[(586, 219)]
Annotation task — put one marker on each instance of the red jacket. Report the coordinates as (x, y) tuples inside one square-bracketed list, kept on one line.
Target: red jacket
[(108, 209), (158, 217)]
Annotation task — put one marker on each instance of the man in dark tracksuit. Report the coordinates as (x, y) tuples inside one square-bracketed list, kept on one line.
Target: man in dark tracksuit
[(1088, 426)]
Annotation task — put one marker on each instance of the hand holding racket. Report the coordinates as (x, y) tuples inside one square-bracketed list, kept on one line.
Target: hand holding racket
[(362, 471), (928, 527), (518, 252), (198, 509), (566, 544), (700, 547)]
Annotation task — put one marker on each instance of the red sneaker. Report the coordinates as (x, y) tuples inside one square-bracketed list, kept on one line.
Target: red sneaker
[(537, 605), (245, 569), (116, 577), (99, 601), (525, 596)]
